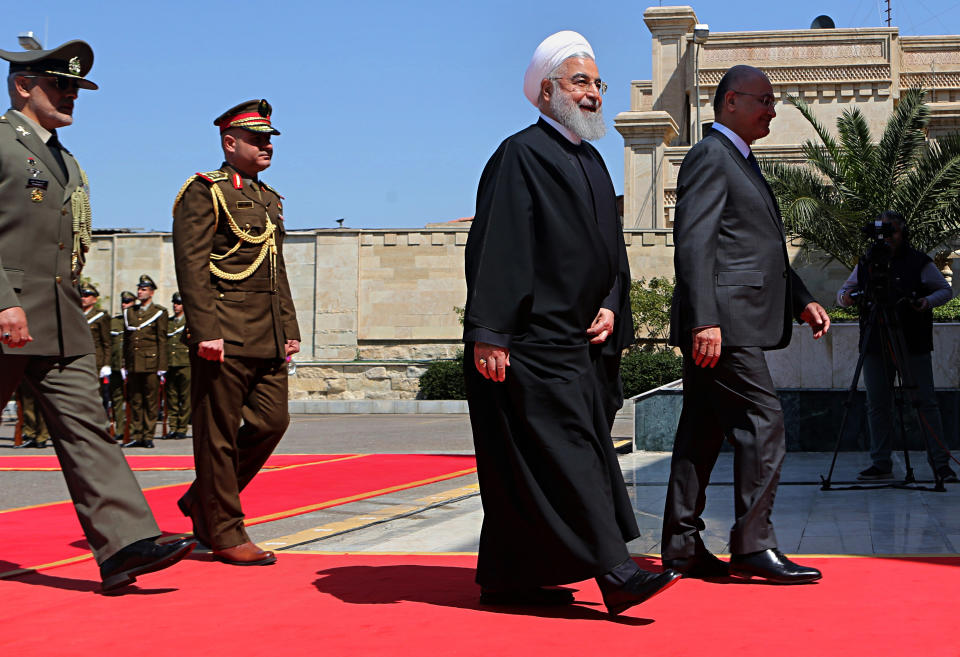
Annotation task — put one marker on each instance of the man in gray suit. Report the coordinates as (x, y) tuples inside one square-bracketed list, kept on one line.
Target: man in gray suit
[(44, 338), (735, 296)]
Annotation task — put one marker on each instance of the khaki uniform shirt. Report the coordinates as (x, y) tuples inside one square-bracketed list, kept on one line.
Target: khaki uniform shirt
[(178, 354), (36, 241), (99, 322), (145, 338), (254, 316)]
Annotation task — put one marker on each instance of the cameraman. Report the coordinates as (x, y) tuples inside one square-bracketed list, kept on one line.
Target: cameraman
[(915, 287)]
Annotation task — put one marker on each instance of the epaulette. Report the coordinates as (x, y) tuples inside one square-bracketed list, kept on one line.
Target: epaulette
[(271, 189), (213, 176), (209, 176)]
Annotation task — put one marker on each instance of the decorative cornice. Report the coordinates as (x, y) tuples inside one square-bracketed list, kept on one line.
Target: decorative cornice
[(806, 74), (946, 80), (792, 53)]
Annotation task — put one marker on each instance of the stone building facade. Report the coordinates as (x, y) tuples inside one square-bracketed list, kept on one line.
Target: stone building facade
[(375, 305), (831, 69)]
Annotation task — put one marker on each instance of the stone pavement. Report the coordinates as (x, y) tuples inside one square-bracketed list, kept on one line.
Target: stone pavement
[(446, 516)]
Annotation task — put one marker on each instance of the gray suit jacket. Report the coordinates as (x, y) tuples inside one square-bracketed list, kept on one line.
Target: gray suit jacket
[(36, 243), (730, 252)]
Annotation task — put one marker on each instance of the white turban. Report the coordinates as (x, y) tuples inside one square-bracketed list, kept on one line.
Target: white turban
[(549, 54)]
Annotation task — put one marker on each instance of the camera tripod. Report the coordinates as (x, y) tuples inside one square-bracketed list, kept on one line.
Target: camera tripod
[(893, 354)]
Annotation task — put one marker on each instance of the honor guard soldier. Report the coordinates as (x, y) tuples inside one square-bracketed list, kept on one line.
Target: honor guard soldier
[(177, 386), (145, 360), (33, 430), (99, 322), (44, 340), (118, 387), (228, 248)]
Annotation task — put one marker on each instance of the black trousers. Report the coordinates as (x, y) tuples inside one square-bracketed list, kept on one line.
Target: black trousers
[(735, 401)]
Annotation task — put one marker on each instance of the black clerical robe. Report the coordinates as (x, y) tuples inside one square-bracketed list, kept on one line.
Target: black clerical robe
[(545, 253)]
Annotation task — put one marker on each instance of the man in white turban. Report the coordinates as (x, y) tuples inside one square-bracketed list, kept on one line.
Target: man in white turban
[(547, 315)]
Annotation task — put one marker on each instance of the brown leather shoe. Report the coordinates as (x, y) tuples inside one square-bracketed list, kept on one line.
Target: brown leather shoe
[(245, 554)]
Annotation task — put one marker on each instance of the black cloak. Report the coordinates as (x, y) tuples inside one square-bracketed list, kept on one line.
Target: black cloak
[(545, 253)]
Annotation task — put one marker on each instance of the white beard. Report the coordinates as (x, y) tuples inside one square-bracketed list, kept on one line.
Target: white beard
[(586, 125)]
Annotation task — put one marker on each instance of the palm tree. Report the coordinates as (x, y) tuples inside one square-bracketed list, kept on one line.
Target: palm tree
[(848, 180)]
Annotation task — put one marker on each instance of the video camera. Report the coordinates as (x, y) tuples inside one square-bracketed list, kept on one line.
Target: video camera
[(876, 259)]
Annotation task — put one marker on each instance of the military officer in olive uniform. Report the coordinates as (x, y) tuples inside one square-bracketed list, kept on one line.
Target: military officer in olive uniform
[(33, 430), (228, 248), (145, 360), (99, 322), (44, 340), (177, 386), (118, 386)]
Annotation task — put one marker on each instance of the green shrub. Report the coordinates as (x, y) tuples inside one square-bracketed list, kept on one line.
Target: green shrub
[(443, 380), (650, 304), (948, 312), (645, 369)]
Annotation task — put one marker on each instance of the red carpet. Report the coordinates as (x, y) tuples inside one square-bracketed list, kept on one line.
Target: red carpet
[(141, 462), (44, 535), (348, 605)]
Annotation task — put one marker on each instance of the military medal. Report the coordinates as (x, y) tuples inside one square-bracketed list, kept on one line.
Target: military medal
[(36, 195)]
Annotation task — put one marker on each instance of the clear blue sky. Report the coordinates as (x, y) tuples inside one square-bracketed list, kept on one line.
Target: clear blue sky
[(388, 109)]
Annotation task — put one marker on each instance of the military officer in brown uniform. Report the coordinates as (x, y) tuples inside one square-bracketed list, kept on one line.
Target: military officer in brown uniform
[(227, 242), (177, 386), (145, 360), (99, 322), (118, 390), (44, 340)]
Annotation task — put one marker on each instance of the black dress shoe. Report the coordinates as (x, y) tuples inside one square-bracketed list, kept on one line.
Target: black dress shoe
[(703, 565), (772, 566), (537, 596), (147, 443), (144, 556), (32, 442), (639, 588)]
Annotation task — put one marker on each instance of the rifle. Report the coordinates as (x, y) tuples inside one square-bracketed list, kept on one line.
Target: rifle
[(18, 431), (128, 413), (162, 404)]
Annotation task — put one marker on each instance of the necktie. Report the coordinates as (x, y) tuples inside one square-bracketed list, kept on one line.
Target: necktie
[(756, 165), (54, 145)]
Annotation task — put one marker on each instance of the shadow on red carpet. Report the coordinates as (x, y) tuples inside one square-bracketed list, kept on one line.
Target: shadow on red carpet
[(383, 605)]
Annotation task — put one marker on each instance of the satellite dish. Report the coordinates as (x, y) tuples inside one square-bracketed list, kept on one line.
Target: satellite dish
[(822, 22)]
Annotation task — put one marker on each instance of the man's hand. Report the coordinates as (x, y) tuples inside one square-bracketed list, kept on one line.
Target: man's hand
[(491, 361), (921, 304), (817, 318), (291, 347), (13, 327), (211, 350), (706, 346), (602, 327)]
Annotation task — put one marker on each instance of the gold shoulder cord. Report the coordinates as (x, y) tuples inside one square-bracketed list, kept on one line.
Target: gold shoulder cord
[(82, 224), (266, 238)]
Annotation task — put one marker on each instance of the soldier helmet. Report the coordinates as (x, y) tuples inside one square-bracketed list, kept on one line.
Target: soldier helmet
[(252, 115), (127, 297), (146, 281), (177, 299), (87, 290), (70, 61)]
